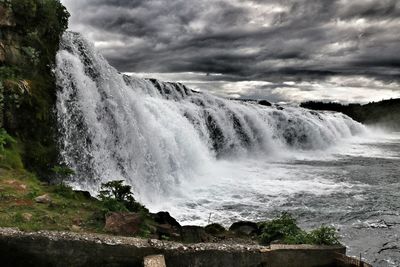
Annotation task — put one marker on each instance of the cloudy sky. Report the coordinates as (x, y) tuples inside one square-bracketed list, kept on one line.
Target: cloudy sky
[(281, 50)]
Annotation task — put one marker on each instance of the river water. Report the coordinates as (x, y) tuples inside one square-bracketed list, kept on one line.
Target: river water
[(354, 187)]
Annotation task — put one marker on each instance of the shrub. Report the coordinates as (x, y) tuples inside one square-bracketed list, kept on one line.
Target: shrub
[(285, 229), (325, 235), (116, 196)]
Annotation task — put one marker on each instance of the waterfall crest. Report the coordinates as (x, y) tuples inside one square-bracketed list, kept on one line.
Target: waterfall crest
[(156, 134)]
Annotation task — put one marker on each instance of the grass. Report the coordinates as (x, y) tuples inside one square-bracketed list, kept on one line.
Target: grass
[(68, 210)]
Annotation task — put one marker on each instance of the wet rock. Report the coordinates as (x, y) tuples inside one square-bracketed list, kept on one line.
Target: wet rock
[(166, 230), (264, 103), (43, 199), (215, 229), (166, 225), (164, 217), (123, 223), (244, 228), (194, 234)]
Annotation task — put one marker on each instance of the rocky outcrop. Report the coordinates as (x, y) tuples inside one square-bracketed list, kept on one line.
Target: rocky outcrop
[(123, 223), (70, 249)]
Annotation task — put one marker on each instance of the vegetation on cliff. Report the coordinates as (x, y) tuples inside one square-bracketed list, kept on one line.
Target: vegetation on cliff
[(385, 113), (30, 31)]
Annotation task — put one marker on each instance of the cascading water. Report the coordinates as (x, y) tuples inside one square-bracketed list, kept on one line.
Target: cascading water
[(193, 154), (155, 135)]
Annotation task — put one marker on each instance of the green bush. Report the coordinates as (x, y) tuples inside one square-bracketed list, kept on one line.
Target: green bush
[(283, 227), (285, 230), (116, 196), (325, 235)]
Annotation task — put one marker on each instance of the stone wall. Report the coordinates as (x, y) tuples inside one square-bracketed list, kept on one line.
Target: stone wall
[(78, 249)]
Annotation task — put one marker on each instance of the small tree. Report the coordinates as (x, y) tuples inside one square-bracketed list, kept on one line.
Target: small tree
[(118, 197)]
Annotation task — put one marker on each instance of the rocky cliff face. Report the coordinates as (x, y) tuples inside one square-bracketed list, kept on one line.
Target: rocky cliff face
[(29, 39)]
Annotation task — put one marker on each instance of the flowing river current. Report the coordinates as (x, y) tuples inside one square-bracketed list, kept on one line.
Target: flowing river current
[(205, 158)]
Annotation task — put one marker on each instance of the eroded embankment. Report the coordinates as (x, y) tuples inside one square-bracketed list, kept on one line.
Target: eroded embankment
[(46, 248)]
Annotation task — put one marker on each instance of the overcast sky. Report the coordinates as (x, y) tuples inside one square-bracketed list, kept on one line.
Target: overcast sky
[(281, 50)]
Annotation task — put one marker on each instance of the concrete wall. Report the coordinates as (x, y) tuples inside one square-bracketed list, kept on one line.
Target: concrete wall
[(74, 249)]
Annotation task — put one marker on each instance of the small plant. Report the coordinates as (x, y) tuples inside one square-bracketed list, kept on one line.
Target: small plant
[(5, 140), (118, 197)]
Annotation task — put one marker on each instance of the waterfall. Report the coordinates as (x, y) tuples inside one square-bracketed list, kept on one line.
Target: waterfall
[(154, 134)]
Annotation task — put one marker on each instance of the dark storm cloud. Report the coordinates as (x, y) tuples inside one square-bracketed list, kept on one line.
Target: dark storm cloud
[(300, 40)]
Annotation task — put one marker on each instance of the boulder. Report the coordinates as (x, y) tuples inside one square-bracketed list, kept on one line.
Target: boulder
[(194, 234), (43, 199), (166, 225), (123, 223), (244, 228), (264, 103), (163, 230), (164, 217), (215, 229)]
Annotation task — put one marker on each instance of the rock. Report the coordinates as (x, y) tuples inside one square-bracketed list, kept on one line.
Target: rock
[(44, 199), (123, 223), (194, 234), (167, 230), (27, 217), (264, 103), (164, 217), (85, 194), (244, 228), (166, 225), (215, 229), (154, 261)]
